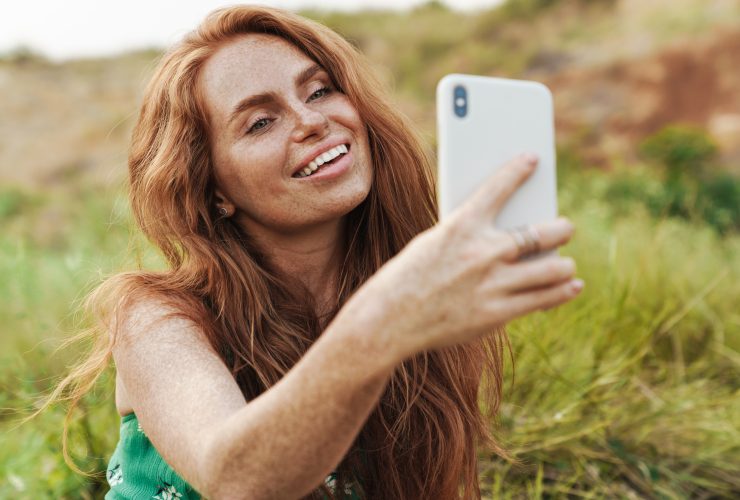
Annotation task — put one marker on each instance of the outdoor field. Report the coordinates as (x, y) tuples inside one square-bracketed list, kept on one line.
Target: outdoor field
[(630, 391)]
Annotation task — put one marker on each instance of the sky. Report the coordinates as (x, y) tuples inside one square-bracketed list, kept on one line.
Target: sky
[(87, 28)]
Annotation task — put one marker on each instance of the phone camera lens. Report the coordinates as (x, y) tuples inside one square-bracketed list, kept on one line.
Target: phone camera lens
[(460, 101)]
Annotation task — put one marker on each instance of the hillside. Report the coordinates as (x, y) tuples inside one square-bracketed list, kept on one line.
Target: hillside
[(605, 111), (619, 71)]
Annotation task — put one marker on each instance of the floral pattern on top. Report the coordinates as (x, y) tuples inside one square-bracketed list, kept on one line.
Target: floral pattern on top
[(331, 482), (115, 475), (167, 492)]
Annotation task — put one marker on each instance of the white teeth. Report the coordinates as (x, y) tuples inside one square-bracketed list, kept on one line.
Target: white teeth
[(331, 154), (321, 159)]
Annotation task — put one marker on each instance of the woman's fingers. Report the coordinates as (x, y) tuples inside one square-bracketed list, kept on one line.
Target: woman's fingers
[(545, 298), (539, 273), (488, 199), (552, 235)]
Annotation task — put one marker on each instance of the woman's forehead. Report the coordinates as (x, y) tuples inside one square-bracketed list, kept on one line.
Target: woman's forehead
[(256, 49), (248, 65)]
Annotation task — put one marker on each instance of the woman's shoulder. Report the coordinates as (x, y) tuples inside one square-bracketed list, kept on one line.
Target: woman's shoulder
[(156, 317), (130, 304), (148, 330), (130, 294)]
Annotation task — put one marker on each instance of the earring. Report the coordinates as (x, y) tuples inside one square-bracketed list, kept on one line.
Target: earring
[(223, 211)]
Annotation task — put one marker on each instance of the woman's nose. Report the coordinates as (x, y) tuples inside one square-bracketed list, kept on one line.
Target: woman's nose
[(309, 122)]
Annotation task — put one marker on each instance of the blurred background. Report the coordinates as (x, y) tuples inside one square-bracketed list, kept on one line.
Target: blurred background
[(631, 391)]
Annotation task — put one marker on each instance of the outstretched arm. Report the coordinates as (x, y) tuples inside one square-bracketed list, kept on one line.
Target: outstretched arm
[(279, 445), (450, 285)]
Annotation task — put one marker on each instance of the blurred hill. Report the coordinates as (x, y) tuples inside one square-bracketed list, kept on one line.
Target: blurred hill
[(620, 70), (69, 121)]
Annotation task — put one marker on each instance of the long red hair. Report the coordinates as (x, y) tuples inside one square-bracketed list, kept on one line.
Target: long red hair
[(420, 441)]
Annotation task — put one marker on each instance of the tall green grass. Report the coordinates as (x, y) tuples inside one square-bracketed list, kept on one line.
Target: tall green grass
[(55, 247), (632, 389), (629, 391)]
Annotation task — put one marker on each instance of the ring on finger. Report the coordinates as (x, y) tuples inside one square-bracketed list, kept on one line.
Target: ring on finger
[(527, 240)]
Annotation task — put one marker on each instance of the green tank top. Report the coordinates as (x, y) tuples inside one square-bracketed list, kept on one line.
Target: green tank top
[(137, 470)]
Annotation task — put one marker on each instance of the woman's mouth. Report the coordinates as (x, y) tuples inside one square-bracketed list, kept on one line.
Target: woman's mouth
[(323, 160)]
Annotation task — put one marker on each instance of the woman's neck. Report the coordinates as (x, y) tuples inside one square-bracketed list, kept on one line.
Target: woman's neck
[(313, 256)]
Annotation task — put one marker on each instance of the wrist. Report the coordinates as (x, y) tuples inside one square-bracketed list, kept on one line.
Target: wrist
[(366, 323)]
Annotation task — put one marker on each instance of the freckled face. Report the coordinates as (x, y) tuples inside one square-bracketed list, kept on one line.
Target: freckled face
[(272, 110)]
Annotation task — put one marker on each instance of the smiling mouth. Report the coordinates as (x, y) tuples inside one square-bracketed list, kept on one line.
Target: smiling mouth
[(325, 159)]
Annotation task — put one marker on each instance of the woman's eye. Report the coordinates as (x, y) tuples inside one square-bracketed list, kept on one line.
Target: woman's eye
[(259, 124), (320, 93)]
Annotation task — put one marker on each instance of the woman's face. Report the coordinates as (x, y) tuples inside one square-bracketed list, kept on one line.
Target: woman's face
[(274, 112)]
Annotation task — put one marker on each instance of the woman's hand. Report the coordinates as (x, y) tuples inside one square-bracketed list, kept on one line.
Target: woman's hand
[(462, 278)]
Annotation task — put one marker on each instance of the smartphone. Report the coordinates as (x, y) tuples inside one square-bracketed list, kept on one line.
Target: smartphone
[(482, 123)]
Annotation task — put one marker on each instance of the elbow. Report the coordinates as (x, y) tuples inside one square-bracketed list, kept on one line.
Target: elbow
[(226, 474), (220, 479), (211, 473), (215, 475), (219, 487), (228, 491)]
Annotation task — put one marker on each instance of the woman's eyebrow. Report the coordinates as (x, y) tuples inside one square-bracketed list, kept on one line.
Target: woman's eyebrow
[(249, 102), (259, 99), (306, 74)]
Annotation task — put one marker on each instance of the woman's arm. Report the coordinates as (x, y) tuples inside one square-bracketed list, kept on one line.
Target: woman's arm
[(451, 284), (283, 443)]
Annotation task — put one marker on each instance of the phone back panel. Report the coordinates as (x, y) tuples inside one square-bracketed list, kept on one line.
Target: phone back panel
[(503, 119)]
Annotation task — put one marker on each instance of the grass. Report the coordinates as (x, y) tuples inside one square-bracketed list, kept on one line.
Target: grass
[(48, 268), (630, 391)]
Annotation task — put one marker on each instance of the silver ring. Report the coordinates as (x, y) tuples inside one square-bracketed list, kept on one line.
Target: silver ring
[(527, 240)]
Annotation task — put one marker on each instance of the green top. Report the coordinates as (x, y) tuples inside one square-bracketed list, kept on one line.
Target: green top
[(137, 470)]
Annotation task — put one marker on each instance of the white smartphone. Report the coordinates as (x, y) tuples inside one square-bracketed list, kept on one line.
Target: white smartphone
[(484, 122)]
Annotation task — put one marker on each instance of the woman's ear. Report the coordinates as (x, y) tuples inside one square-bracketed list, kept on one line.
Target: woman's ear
[(224, 207)]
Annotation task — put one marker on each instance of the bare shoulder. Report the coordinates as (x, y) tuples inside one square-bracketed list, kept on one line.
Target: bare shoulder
[(146, 325), (155, 340), (146, 329), (170, 376), (153, 319)]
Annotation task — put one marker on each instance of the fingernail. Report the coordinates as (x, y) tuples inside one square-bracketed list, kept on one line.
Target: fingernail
[(531, 158), (567, 224), (576, 285)]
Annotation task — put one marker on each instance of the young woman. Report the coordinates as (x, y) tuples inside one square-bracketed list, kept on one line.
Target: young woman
[(316, 334)]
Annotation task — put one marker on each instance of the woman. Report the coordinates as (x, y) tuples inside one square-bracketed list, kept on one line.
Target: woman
[(315, 334)]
